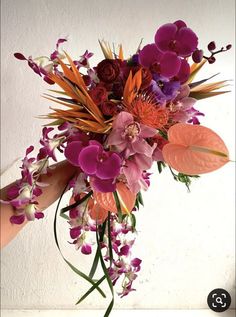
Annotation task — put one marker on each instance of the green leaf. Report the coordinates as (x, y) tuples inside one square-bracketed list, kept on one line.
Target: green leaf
[(137, 203), (109, 238), (91, 290), (103, 229), (64, 216), (77, 203), (118, 206), (133, 221), (163, 134), (197, 83), (109, 309), (95, 264), (202, 95), (160, 166), (140, 198), (183, 178)]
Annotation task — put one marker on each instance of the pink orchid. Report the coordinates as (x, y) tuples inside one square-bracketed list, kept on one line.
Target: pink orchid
[(129, 136), (50, 144), (185, 112), (134, 175)]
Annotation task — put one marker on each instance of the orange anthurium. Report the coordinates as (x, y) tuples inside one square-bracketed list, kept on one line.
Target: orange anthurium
[(194, 149), (126, 198), (97, 212)]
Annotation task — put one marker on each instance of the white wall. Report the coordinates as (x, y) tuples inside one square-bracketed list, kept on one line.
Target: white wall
[(186, 240)]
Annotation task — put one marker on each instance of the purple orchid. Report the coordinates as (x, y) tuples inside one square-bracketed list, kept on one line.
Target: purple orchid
[(163, 90), (56, 53), (43, 65), (184, 71), (176, 37), (81, 223), (103, 166), (84, 60), (50, 144), (166, 64)]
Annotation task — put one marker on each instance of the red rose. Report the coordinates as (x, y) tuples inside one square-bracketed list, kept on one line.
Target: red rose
[(108, 70), (109, 108), (146, 75), (98, 94), (117, 89)]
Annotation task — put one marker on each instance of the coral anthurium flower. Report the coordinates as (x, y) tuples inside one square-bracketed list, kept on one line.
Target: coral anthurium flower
[(126, 198), (97, 212), (194, 149)]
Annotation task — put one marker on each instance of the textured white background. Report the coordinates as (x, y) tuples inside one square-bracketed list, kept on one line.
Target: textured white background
[(186, 240)]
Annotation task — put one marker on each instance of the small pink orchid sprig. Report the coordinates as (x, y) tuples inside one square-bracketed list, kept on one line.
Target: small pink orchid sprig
[(22, 196)]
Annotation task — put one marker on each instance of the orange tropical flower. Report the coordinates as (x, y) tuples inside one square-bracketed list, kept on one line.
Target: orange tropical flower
[(148, 112)]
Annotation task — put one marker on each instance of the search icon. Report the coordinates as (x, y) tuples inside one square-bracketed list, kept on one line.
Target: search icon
[(219, 300)]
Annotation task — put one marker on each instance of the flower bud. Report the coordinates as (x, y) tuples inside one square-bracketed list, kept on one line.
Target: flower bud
[(211, 46), (211, 60), (228, 47), (20, 56), (197, 56)]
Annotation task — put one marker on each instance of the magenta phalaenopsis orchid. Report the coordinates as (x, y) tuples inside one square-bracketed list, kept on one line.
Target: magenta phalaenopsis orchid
[(102, 166)]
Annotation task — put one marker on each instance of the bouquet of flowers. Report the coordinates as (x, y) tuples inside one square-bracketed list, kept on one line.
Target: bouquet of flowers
[(117, 119)]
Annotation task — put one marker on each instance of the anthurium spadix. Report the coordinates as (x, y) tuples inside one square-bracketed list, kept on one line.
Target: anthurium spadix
[(194, 149)]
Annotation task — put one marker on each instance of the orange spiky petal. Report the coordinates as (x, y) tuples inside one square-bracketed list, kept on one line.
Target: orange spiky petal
[(149, 113), (132, 86), (121, 54)]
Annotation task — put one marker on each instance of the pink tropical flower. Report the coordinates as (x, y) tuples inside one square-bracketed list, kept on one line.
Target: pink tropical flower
[(135, 175), (102, 166), (185, 112), (50, 144), (128, 136)]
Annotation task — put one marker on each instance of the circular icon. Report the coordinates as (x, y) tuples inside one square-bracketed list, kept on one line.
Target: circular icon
[(219, 300)]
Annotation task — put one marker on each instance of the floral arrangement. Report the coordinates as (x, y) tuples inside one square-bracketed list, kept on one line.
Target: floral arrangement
[(118, 119)]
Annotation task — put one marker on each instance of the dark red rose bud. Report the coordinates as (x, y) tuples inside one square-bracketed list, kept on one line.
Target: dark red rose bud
[(211, 60), (108, 70), (211, 46), (98, 94), (228, 47), (118, 89), (197, 56), (109, 108), (20, 56)]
